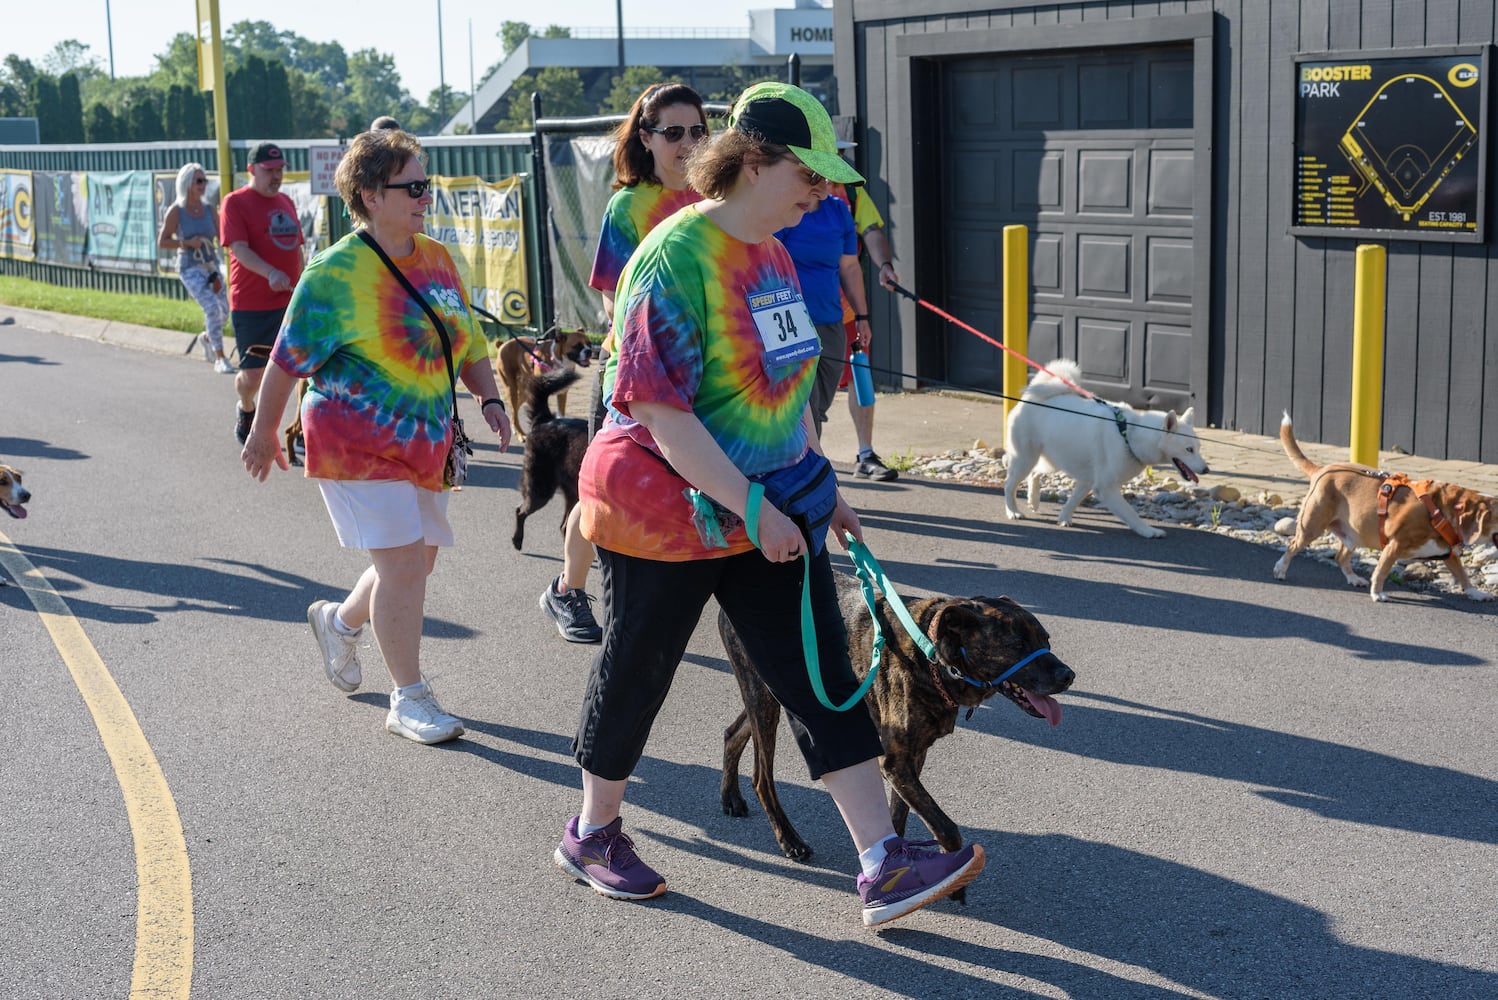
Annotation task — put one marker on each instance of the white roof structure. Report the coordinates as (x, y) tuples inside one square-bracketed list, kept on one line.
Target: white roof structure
[(772, 36)]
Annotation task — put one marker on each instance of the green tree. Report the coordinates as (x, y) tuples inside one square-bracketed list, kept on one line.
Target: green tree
[(426, 119), (20, 73), (511, 34), (46, 105), (69, 108), (13, 103), (99, 124), (143, 121), (374, 89), (556, 31), (561, 90), (249, 86), (310, 108), (71, 56), (280, 119), (628, 87), (179, 63), (739, 78)]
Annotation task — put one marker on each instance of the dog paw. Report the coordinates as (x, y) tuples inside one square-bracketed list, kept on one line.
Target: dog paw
[(1379, 596), (1151, 533), (797, 850), (1478, 594), (1013, 514), (734, 805)]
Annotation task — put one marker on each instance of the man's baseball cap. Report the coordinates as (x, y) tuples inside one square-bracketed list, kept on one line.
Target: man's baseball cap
[(789, 116), (269, 154)]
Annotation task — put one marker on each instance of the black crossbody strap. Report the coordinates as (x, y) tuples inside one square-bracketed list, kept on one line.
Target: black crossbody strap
[(447, 346)]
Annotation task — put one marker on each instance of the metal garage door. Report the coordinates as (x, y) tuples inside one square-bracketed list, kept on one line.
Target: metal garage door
[(1094, 153)]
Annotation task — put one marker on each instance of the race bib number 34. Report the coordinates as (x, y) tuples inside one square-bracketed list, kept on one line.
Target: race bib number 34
[(784, 326)]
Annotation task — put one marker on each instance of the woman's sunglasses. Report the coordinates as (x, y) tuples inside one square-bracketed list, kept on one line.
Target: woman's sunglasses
[(673, 133), (200, 180), (413, 188)]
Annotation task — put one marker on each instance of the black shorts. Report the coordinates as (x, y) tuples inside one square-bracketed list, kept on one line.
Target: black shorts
[(255, 334)]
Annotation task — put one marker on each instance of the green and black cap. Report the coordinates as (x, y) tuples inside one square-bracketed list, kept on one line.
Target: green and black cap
[(789, 116)]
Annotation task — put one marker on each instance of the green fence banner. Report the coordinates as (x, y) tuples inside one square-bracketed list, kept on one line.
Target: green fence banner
[(121, 221)]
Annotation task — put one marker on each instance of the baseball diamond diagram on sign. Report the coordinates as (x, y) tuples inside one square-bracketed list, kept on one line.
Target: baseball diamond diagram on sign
[(1392, 142)]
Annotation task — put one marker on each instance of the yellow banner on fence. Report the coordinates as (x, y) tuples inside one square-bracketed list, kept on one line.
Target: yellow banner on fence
[(17, 223), (482, 227)]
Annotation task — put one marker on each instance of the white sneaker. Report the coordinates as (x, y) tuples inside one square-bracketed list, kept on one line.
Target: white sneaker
[(222, 366), (206, 346), (418, 717), (340, 653)]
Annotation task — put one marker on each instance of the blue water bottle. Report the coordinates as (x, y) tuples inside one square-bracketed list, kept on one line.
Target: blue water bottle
[(863, 379)]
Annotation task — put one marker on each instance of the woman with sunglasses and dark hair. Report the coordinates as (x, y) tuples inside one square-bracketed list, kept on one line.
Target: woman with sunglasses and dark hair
[(707, 481), (379, 356), (650, 152), (191, 228)]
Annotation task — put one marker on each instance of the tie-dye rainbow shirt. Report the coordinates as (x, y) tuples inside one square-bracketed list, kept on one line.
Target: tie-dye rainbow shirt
[(687, 339), (378, 405), (632, 213)]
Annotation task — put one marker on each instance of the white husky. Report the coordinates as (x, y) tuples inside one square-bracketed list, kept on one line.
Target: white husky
[(1100, 445)]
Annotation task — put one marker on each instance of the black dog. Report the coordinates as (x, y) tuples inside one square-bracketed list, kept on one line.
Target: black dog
[(553, 452), (913, 701)]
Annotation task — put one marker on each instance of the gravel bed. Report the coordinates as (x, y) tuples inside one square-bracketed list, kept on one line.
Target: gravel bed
[(1264, 519)]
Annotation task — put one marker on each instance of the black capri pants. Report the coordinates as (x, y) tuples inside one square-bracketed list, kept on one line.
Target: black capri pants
[(651, 609)]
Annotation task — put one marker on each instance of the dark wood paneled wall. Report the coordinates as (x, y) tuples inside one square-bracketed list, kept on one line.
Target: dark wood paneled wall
[(1281, 310)]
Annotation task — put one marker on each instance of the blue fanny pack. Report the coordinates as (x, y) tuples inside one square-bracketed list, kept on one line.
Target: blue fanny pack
[(806, 493)]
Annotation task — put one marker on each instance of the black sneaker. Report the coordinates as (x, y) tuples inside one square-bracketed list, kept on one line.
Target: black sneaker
[(874, 468), (572, 614), (242, 424)]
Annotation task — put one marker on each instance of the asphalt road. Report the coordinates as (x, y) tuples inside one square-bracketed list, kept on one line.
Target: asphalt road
[(1257, 789)]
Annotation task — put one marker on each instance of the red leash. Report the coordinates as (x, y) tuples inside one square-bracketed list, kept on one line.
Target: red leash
[(983, 336)]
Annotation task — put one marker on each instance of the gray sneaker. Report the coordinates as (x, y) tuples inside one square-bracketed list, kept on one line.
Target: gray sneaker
[(207, 347), (418, 717), (340, 653), (572, 613)]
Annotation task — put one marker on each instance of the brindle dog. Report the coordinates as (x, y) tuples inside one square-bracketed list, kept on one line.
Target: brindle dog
[(978, 638)]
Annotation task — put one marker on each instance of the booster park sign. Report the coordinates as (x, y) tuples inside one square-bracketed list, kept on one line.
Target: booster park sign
[(1392, 144)]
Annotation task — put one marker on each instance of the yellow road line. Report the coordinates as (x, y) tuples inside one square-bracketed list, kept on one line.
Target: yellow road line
[(163, 912)]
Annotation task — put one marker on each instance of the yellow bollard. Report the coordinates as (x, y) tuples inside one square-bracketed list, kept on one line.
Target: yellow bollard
[(1367, 355), (1016, 314)]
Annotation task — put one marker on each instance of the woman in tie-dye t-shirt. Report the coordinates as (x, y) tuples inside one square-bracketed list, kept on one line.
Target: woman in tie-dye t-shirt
[(377, 414), (716, 359), (650, 151)]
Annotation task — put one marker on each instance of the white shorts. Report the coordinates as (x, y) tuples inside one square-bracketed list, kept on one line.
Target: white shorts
[(385, 513)]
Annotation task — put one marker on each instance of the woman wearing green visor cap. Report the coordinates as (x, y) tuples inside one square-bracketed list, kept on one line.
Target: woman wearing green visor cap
[(715, 366)]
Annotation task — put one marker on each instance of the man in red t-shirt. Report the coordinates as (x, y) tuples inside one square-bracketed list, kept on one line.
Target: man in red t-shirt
[(261, 229)]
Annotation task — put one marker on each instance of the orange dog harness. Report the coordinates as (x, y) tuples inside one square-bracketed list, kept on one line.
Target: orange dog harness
[(1393, 481)]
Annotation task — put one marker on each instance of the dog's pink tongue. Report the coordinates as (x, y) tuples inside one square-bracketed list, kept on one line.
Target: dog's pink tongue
[(1185, 470), (15, 510), (1045, 705)]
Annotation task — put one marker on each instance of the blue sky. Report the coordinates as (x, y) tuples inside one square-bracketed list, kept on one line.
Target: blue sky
[(406, 29)]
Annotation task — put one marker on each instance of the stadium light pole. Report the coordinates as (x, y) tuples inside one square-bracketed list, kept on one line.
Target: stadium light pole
[(109, 30), (619, 26), (441, 68)]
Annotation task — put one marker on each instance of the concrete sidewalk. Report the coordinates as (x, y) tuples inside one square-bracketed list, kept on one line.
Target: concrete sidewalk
[(923, 423)]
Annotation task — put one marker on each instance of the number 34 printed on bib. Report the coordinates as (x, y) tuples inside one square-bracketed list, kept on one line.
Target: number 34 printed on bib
[(785, 327)]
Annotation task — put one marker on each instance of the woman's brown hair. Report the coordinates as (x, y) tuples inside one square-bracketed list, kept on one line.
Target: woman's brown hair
[(632, 161), (372, 159), (713, 166)]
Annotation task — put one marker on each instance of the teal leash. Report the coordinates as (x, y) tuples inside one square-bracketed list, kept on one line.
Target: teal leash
[(869, 573)]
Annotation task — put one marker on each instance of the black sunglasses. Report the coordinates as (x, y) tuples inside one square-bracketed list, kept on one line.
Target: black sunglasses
[(673, 133), (200, 180), (413, 188)]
